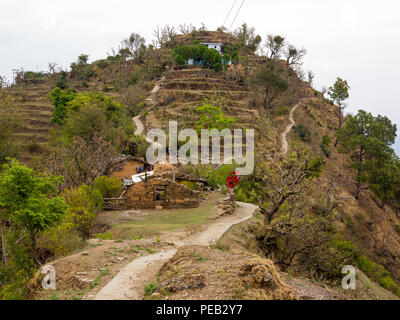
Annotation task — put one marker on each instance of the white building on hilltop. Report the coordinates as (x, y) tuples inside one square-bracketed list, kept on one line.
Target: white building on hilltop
[(217, 46)]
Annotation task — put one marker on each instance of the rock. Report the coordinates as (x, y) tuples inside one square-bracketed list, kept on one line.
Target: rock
[(186, 282)]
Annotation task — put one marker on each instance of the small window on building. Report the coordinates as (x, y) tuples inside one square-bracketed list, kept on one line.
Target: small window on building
[(160, 193)]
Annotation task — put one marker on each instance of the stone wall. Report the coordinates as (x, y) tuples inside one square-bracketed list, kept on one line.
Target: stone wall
[(226, 206), (142, 195)]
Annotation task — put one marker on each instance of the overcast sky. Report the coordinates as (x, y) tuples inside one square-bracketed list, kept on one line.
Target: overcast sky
[(358, 40)]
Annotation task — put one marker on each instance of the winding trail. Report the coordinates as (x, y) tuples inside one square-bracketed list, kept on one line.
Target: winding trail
[(284, 142), (128, 283)]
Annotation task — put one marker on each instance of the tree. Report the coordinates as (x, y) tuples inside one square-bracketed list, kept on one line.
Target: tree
[(339, 93), (28, 202), (274, 46), (82, 161), (165, 35), (83, 59), (186, 28), (3, 82), (283, 180), (60, 99), (268, 84), (294, 56), (134, 99), (384, 181), (329, 199), (133, 45), (247, 37), (367, 139), (52, 67), (212, 117), (311, 77)]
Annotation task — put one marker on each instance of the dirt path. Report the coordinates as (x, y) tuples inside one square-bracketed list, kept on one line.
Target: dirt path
[(129, 282), (284, 142)]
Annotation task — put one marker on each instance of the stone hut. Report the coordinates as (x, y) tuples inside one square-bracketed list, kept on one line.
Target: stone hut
[(159, 193)]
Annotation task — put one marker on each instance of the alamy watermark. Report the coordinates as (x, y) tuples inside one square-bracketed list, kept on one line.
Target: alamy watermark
[(49, 279), (349, 281), (234, 144)]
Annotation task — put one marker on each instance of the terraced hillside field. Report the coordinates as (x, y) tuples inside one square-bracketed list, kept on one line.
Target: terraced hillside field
[(184, 90), (35, 113)]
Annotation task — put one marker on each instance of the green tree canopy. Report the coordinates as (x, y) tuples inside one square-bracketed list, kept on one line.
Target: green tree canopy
[(268, 84), (29, 201), (212, 117), (367, 139)]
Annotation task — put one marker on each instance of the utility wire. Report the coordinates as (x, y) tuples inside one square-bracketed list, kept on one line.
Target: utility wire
[(230, 11), (236, 15)]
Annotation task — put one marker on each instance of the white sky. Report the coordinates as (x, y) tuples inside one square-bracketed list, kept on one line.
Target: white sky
[(358, 40)]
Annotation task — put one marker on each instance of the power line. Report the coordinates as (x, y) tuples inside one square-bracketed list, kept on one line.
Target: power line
[(230, 11), (236, 15)]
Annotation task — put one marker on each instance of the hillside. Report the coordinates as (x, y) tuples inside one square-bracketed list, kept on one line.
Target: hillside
[(363, 232)]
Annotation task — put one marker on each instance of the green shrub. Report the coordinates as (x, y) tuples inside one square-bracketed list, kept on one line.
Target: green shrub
[(191, 185), (378, 272), (62, 81), (218, 178), (84, 203), (303, 132), (149, 288), (108, 187), (60, 99), (104, 236), (102, 64), (326, 141), (179, 60), (89, 73), (282, 110)]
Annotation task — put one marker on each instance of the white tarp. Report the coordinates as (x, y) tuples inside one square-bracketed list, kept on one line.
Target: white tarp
[(141, 177)]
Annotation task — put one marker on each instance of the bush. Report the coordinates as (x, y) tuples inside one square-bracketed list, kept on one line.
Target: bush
[(62, 81), (179, 60), (108, 187), (191, 185), (282, 110), (104, 236), (326, 141), (102, 64), (89, 73), (218, 178), (303, 132), (60, 99), (84, 203), (150, 288)]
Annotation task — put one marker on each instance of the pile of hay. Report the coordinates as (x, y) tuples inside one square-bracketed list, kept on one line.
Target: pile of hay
[(162, 168)]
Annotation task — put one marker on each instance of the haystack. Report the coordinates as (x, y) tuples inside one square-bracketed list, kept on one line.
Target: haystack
[(162, 168)]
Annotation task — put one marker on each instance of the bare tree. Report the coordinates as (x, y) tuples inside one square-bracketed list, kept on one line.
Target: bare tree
[(284, 179), (52, 67), (82, 160), (294, 56), (274, 46), (311, 76), (329, 199), (3, 82), (324, 91), (186, 28), (248, 37), (164, 35)]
